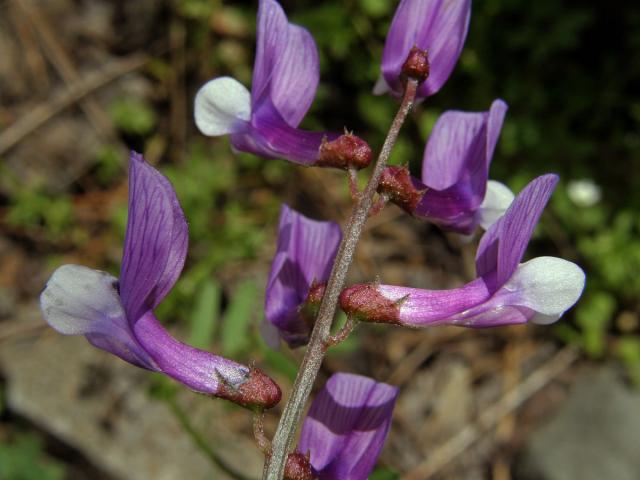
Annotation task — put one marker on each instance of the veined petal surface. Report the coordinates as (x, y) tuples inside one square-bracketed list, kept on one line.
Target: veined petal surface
[(346, 426), (502, 246), (287, 68), (156, 240), (305, 252)]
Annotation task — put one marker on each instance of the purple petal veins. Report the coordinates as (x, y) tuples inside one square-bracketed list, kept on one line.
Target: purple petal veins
[(346, 426), (118, 316), (305, 252)]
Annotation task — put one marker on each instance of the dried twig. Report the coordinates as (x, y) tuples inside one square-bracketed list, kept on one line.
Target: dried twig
[(488, 419), (73, 93), (64, 66)]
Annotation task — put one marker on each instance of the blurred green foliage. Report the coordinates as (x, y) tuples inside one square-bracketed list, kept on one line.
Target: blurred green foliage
[(23, 459)]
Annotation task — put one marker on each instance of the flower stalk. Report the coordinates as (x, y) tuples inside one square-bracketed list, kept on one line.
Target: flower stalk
[(284, 436)]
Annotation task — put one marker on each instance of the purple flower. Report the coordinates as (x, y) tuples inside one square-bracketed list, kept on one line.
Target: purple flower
[(285, 79), (455, 192), (505, 292), (438, 27), (304, 257), (346, 426), (117, 315)]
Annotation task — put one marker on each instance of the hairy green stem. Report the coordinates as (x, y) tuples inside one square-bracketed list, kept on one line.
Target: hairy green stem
[(285, 433)]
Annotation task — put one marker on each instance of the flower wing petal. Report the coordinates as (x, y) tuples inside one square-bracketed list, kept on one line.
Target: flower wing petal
[(496, 201), (222, 106), (80, 301)]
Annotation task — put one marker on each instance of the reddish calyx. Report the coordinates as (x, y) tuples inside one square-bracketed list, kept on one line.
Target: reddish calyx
[(258, 391), (345, 152), (416, 65), (364, 303), (397, 186)]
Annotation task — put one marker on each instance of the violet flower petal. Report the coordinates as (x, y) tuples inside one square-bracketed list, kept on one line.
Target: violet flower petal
[(460, 149), (156, 240), (502, 246), (305, 252), (346, 426), (269, 136), (438, 26), (287, 68), (455, 168), (199, 370), (80, 301), (285, 79)]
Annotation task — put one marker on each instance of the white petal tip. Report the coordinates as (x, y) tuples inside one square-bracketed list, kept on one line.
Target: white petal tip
[(76, 298), (496, 201), (548, 285), (221, 106), (381, 87)]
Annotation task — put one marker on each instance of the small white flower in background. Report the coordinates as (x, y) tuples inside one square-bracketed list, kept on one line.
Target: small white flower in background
[(584, 193)]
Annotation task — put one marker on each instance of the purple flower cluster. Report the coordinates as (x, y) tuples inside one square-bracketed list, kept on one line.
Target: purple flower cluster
[(348, 421)]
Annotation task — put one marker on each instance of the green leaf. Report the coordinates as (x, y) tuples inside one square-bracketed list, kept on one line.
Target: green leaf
[(205, 313), (238, 318)]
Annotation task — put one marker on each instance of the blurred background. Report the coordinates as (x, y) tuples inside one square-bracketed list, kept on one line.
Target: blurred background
[(84, 81)]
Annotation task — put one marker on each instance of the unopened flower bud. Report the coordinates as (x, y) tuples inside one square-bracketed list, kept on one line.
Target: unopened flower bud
[(346, 151), (298, 467), (366, 304), (417, 65), (398, 186), (258, 390)]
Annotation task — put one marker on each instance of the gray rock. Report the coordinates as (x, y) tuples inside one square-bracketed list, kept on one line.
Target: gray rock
[(595, 436), (100, 405)]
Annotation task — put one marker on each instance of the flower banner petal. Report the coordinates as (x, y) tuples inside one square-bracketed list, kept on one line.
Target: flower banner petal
[(156, 240), (502, 246), (296, 76), (305, 252), (271, 28)]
